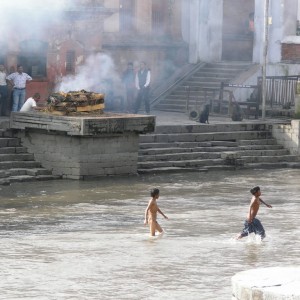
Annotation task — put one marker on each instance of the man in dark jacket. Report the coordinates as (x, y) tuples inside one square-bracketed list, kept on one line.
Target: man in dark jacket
[(142, 83)]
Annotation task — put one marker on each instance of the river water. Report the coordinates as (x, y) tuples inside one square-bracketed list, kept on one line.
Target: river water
[(86, 239)]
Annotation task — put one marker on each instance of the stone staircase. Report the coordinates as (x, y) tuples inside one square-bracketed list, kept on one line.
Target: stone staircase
[(212, 147), (203, 84), (16, 164)]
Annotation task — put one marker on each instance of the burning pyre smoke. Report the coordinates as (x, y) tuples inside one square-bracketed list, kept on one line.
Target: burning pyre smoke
[(97, 74)]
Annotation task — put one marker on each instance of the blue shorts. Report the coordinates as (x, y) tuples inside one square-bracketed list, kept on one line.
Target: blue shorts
[(255, 226)]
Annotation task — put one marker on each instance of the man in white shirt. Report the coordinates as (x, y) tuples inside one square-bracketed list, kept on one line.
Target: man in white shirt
[(142, 83), (3, 90), (30, 103), (18, 81)]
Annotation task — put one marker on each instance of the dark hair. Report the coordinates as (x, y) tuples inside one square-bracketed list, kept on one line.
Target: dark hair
[(154, 192), (255, 190), (130, 64), (36, 95)]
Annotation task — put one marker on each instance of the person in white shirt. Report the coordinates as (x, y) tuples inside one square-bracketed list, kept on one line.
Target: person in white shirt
[(18, 81), (142, 83), (30, 103), (3, 90)]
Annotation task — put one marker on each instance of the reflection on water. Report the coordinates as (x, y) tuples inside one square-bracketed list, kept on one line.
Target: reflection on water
[(86, 239)]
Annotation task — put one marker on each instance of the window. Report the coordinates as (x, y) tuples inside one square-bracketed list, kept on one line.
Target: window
[(70, 62), (159, 19), (127, 15), (33, 58)]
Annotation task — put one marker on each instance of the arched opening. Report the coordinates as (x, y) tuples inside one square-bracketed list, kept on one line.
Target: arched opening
[(238, 30)]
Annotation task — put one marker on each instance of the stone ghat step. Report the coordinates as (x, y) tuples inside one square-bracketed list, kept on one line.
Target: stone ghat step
[(179, 150), (266, 154), (12, 150), (189, 144), (4, 165), (5, 133), (9, 142), (254, 142), (25, 178), (270, 165), (179, 156), (258, 166), (207, 136), (190, 169), (181, 164), (270, 159), (209, 128), (152, 149), (16, 157), (31, 172)]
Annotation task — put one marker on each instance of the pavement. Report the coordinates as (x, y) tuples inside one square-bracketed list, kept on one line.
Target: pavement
[(176, 118)]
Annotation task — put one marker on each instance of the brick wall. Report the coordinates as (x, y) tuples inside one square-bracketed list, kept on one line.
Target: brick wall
[(290, 52)]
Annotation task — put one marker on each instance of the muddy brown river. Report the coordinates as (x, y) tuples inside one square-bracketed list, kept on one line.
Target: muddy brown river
[(86, 239)]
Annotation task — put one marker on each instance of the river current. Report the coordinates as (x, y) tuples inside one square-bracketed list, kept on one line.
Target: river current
[(86, 239)]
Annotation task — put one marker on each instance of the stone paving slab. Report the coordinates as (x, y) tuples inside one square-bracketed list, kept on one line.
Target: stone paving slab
[(275, 283)]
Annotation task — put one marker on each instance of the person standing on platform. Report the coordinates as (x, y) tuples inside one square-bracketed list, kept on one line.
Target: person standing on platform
[(18, 81), (3, 90), (142, 83)]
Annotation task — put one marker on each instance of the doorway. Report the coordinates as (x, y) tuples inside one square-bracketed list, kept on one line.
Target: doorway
[(238, 30)]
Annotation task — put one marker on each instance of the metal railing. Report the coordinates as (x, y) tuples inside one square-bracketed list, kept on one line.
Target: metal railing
[(280, 90)]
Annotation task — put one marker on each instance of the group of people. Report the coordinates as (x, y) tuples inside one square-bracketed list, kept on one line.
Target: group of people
[(17, 81), (137, 86), (251, 224)]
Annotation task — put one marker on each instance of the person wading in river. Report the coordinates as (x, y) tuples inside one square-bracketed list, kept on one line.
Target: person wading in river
[(252, 224), (151, 213)]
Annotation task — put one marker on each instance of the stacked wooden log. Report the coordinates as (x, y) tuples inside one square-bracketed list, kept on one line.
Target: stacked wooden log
[(75, 102)]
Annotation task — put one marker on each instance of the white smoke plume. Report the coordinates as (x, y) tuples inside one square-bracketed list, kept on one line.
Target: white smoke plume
[(96, 74), (29, 16)]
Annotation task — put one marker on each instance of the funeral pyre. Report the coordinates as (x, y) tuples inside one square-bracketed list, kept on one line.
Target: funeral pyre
[(75, 102)]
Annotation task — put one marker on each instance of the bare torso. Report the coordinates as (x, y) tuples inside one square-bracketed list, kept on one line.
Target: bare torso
[(253, 209), (153, 208)]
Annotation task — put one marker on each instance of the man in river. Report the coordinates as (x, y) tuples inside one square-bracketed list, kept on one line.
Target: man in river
[(252, 224), (151, 213)]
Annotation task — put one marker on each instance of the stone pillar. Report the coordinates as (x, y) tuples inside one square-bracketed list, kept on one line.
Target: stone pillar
[(202, 29), (210, 34), (283, 17), (194, 31)]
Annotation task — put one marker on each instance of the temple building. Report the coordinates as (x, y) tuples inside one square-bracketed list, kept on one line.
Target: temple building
[(166, 34)]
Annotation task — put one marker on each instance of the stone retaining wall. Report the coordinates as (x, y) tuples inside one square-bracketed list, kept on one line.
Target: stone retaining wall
[(83, 147), (288, 136)]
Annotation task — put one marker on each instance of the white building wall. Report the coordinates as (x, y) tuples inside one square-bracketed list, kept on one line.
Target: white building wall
[(202, 28)]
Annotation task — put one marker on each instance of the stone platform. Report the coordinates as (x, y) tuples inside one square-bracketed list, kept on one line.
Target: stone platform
[(277, 283), (79, 147)]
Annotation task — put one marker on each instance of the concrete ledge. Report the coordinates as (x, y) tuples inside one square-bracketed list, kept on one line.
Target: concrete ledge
[(84, 125), (276, 283)]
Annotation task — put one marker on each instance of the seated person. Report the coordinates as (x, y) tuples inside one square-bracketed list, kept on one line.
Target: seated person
[(30, 103)]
